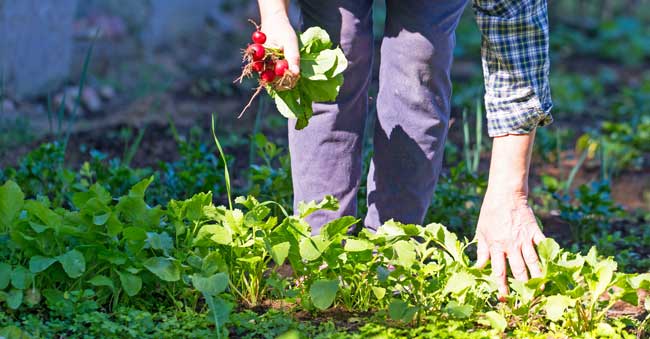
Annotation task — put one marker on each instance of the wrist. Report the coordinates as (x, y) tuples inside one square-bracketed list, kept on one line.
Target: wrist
[(509, 185)]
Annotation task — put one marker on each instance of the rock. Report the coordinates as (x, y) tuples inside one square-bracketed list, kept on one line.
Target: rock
[(70, 94), (8, 106), (107, 92), (36, 44), (91, 100)]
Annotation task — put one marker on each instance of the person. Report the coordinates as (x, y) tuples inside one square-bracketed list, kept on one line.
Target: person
[(413, 108)]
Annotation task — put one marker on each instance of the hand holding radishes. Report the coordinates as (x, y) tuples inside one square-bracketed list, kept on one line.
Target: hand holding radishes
[(295, 71)]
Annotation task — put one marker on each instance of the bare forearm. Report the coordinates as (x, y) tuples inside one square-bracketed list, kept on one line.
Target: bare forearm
[(510, 163), (270, 8)]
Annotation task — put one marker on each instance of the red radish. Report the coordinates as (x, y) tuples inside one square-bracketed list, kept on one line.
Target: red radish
[(256, 51), (281, 66), (258, 66), (267, 76), (259, 37)]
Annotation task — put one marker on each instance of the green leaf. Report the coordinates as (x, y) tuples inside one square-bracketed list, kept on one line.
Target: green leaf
[(459, 282), (287, 103), (329, 203), (323, 293), (73, 263), (358, 245), (322, 90), (525, 293), (279, 252), (134, 234), (131, 283), (13, 332), (5, 275), (399, 310), (11, 202), (604, 273), (341, 64), (102, 280), (548, 250), (219, 310), (605, 330), (379, 292), (164, 268), (458, 311), (45, 215), (391, 229), (14, 298), (138, 189), (213, 263), (314, 66), (212, 285), (221, 235), (101, 219), (290, 334), (636, 281), (21, 278), (194, 206), (39, 263), (315, 39), (405, 252), (160, 241), (312, 248), (114, 226), (556, 305), (338, 227), (496, 321)]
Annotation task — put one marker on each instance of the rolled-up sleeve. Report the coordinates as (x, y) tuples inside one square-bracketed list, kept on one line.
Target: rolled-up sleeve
[(515, 40)]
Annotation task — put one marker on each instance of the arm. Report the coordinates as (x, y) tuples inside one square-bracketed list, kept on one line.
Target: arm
[(278, 30), (517, 100), (507, 227)]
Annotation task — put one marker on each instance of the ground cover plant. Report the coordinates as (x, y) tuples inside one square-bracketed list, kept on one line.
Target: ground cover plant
[(119, 254)]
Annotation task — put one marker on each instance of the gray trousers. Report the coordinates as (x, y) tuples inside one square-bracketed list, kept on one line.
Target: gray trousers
[(413, 108)]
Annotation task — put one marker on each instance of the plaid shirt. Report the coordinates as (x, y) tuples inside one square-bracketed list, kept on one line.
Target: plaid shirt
[(515, 64)]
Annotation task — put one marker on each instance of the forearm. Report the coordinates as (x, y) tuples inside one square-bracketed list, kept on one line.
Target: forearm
[(270, 8), (510, 164)]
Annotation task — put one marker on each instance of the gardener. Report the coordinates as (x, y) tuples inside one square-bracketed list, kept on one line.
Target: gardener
[(413, 108)]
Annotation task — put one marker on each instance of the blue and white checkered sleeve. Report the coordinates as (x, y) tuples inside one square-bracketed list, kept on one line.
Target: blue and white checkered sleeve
[(515, 40)]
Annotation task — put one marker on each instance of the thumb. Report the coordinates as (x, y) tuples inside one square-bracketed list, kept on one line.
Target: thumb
[(293, 57)]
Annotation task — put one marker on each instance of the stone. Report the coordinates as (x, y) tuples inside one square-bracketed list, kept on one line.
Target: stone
[(91, 100), (107, 92), (8, 106), (36, 44)]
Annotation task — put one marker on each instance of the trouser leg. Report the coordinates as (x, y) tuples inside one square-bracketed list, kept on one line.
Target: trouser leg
[(413, 107), (326, 155)]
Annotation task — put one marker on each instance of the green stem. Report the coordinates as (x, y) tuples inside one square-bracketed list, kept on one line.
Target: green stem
[(223, 158)]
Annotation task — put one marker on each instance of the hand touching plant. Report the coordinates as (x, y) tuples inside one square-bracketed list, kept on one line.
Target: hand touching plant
[(507, 228)]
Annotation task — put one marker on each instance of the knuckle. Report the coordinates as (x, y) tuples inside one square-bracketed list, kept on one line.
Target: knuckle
[(531, 259), (519, 271)]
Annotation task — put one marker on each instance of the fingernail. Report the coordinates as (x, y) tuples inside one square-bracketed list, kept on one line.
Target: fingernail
[(502, 298)]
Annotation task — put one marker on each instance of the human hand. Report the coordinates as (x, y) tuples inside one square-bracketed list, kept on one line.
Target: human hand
[(280, 34), (507, 228)]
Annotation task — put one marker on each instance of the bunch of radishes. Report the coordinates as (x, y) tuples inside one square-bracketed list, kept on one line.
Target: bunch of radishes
[(320, 78), (267, 62)]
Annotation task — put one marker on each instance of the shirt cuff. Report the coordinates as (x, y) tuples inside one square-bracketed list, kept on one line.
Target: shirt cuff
[(519, 116)]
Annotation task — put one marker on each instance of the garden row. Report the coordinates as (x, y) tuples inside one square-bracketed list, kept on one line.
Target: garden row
[(193, 255)]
